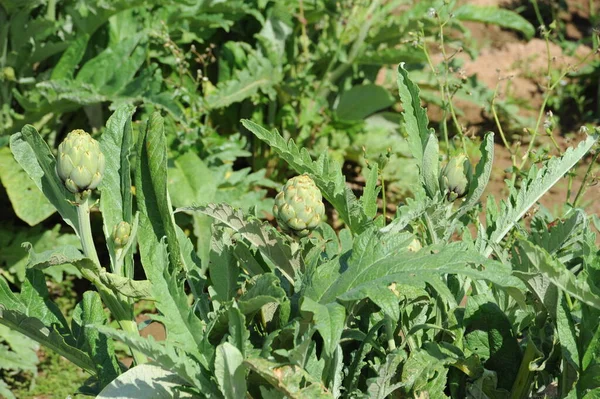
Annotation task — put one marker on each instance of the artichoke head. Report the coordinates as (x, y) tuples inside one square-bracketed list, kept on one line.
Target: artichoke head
[(121, 234), (299, 206), (455, 177), (80, 163)]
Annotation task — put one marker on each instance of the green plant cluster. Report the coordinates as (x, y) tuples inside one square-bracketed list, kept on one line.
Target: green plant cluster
[(375, 310), (197, 113)]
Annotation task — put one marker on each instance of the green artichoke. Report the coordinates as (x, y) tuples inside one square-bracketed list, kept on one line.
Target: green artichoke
[(80, 163), (299, 206), (456, 177), (121, 234)]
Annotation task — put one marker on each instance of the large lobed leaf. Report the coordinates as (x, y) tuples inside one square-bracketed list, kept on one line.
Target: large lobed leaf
[(557, 273), (32, 314), (168, 356), (537, 183), (373, 267), (159, 241)]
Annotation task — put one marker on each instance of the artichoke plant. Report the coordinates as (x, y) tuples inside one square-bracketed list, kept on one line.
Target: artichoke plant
[(456, 177), (121, 234), (299, 206), (80, 163)]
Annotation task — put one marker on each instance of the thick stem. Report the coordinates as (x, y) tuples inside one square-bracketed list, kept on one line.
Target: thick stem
[(85, 231), (389, 332), (522, 384), (119, 312), (51, 10)]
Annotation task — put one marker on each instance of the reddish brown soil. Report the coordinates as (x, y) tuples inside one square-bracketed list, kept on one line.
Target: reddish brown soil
[(519, 68)]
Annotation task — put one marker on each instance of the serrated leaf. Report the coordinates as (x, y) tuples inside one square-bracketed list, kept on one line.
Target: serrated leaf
[(370, 193), (259, 74), (415, 117), (5, 390), (29, 314), (20, 348), (239, 336), (537, 183), (262, 290), (408, 212), (381, 387), (68, 62), (559, 275), (223, 268), (494, 329), (426, 372), (100, 71), (564, 230), (567, 336), (154, 204), (404, 267)]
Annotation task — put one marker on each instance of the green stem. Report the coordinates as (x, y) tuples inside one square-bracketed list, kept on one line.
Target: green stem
[(384, 200), (119, 312), (522, 384), (441, 86), (538, 15), (85, 231), (430, 228), (549, 90), (389, 332), (585, 177), (119, 263), (51, 10)]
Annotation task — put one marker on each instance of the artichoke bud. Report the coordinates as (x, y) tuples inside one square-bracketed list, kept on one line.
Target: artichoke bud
[(121, 234), (80, 163), (455, 177), (299, 206)]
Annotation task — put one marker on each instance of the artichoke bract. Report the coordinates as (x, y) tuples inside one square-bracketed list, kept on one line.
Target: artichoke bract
[(80, 163), (121, 234), (299, 206), (455, 177)]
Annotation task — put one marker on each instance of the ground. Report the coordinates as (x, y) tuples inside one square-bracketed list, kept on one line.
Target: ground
[(520, 67)]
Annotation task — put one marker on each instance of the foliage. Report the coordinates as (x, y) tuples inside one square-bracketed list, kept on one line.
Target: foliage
[(363, 313), (212, 106)]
